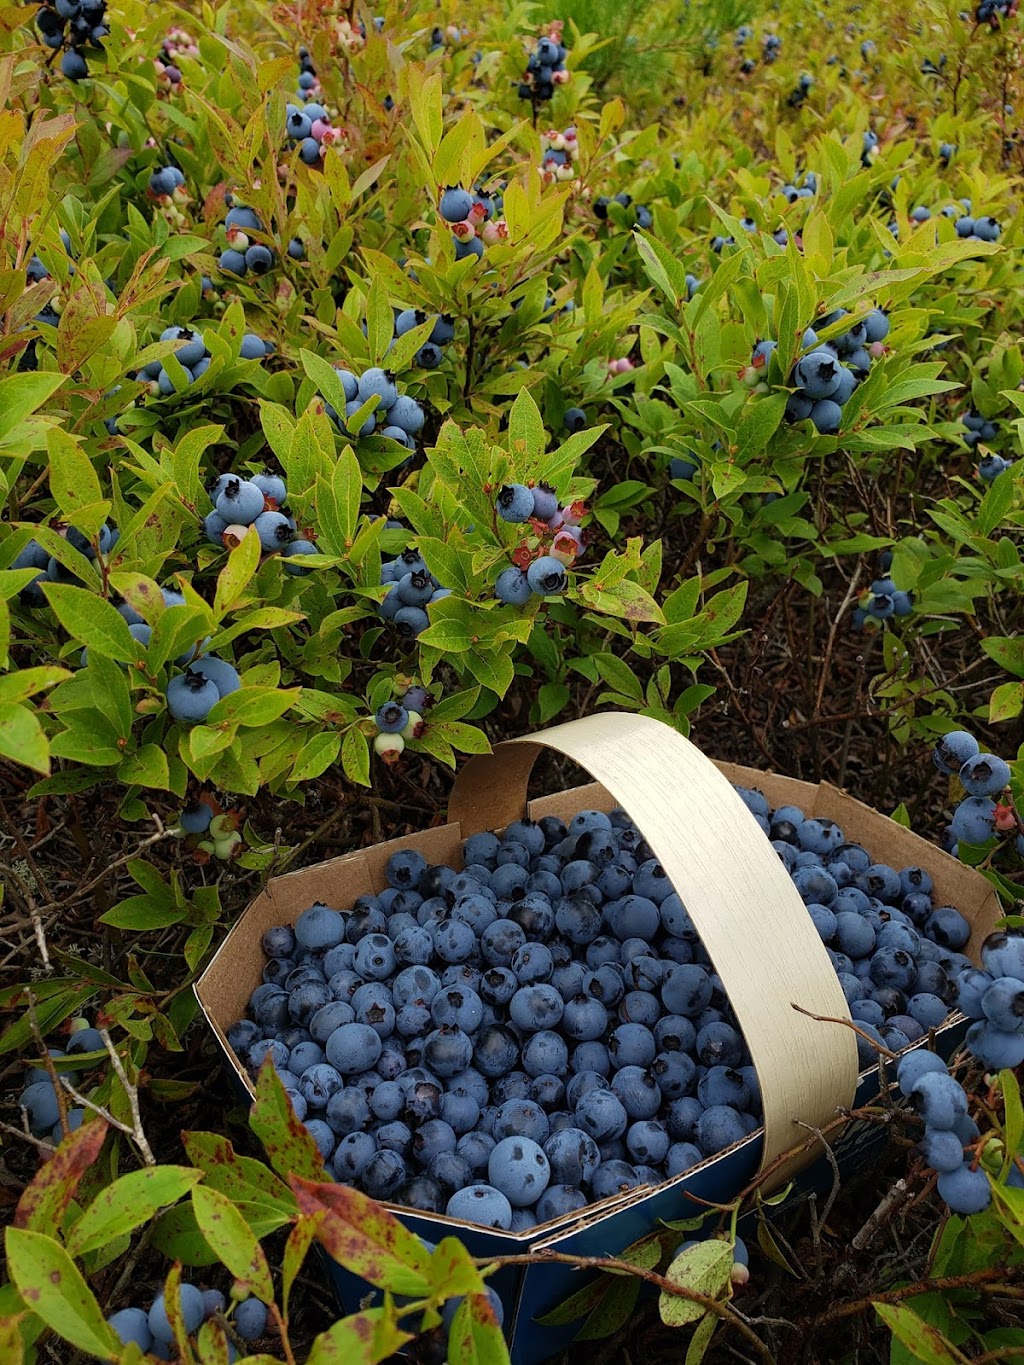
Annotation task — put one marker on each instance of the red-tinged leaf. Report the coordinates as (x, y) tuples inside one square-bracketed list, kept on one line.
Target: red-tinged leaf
[(300, 1239), (285, 1140), (239, 1177), (365, 1238), (231, 1238), (452, 1270), (172, 1306), (475, 1337), (52, 1286), (12, 1351), (44, 1201), (362, 1339)]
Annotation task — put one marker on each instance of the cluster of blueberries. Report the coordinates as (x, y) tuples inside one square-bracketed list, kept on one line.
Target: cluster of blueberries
[(798, 95), (258, 502), (546, 67), (543, 1029), (991, 466), (176, 45), (399, 720), (243, 257), (309, 126), (151, 1331), (474, 218), (982, 228), (48, 569), (166, 188), (77, 26), (198, 817), (413, 588), (194, 359), (394, 414), (431, 354), (883, 600), (308, 83), (35, 273), (992, 996), (807, 188), (641, 215), (991, 11), (983, 777), (39, 1097), (542, 574), (441, 37), (822, 384), (977, 429), (557, 151)]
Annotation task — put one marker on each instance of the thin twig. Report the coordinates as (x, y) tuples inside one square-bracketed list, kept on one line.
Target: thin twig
[(26, 1136), (717, 1306), (132, 1092)]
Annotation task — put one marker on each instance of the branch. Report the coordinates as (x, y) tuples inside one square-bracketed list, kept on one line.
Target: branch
[(716, 1306)]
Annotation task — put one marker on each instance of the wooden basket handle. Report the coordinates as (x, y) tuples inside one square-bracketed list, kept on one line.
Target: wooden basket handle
[(740, 897)]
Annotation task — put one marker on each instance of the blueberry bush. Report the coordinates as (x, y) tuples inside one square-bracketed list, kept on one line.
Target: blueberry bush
[(377, 382)]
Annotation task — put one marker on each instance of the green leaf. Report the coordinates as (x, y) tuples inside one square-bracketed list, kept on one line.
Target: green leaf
[(526, 435), (243, 561), (252, 706), (73, 481), (53, 1287), (130, 1201), (146, 767), (704, 1268), (924, 1342), (232, 1239), (1006, 702), (22, 738), (662, 268), (701, 1339), (1013, 1113), (380, 320), (92, 621), (16, 687), (1008, 653), (23, 394)]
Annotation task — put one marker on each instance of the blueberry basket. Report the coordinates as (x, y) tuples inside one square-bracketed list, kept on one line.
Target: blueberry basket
[(755, 929)]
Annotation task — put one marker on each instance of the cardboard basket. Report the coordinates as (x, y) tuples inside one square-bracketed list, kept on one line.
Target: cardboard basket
[(753, 924)]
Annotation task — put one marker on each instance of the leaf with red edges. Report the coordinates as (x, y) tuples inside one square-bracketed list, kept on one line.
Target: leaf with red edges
[(44, 1201), (285, 1140), (363, 1237)]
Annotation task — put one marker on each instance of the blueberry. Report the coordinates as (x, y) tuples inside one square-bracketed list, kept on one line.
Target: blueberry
[(191, 697), (519, 1168), (483, 1204), (191, 1308), (954, 750), (965, 1190), (547, 577), (319, 927), (132, 1326), (353, 1048), (250, 1320), (985, 775)]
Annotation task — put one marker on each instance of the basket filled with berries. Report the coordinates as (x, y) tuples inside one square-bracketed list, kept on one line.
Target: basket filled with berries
[(559, 1023)]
